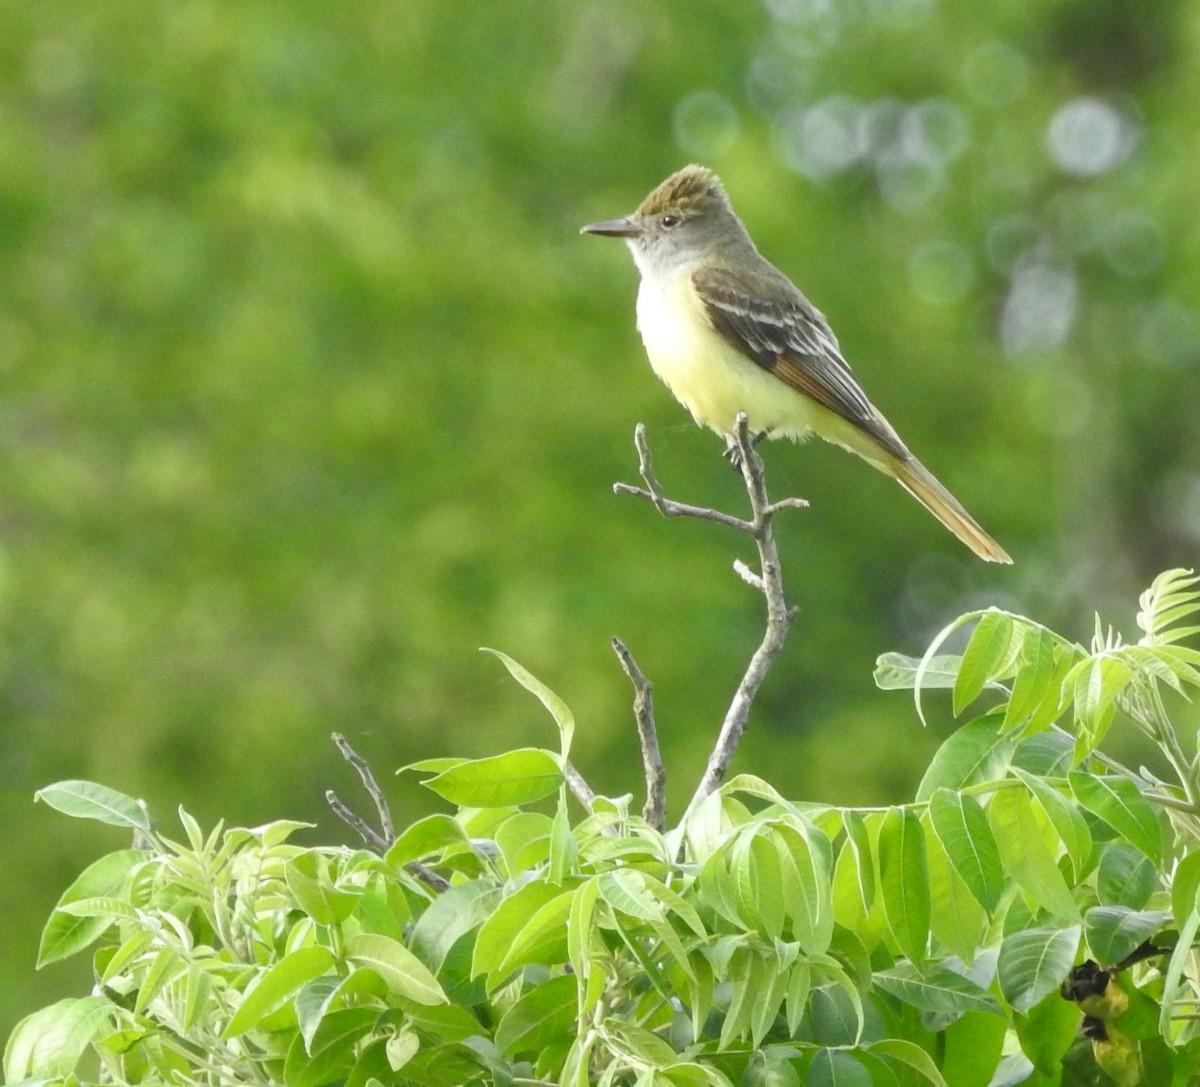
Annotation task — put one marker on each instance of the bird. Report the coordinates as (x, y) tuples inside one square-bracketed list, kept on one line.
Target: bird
[(728, 333)]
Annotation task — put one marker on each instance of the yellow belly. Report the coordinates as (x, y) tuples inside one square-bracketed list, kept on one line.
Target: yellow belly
[(707, 374)]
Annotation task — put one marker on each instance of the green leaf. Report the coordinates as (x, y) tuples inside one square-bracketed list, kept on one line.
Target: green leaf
[(498, 933), (897, 672), (557, 707), (1064, 816), (676, 904), (695, 1074), (1034, 962), (858, 842), (837, 1068), (770, 998), (978, 752), (425, 837), (903, 881), (936, 989), (973, 1045), (1034, 682), (985, 659), (164, 968), (1180, 960), (956, 918), (398, 967), (831, 968), (1161, 663), (1185, 884), (1047, 754), (796, 999), (1114, 931), (524, 840), (625, 889), (1127, 877), (499, 781), (65, 934), (50, 1042), (1025, 854), (805, 863), (312, 1001), (757, 870), (114, 909), (333, 1048), (541, 1017), (564, 850), (579, 928), (1119, 803), (1047, 1031), (542, 939), (86, 800), (1095, 683), (961, 826), (747, 976), (400, 1048), (910, 1054), (1171, 597), (276, 984), (455, 912), (930, 656), (307, 877)]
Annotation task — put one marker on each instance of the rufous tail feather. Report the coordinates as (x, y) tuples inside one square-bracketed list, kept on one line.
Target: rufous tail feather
[(915, 478)]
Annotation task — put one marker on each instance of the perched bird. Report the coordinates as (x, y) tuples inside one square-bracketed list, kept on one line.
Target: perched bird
[(728, 332)]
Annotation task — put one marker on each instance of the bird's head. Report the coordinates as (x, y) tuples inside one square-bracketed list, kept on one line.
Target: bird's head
[(685, 218)]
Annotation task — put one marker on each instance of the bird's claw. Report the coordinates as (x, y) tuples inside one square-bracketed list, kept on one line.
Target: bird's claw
[(733, 453)]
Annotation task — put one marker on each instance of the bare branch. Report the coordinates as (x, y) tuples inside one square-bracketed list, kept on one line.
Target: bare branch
[(582, 790), (747, 575), (348, 753), (655, 807), (366, 832), (769, 581), (666, 506), (382, 839)]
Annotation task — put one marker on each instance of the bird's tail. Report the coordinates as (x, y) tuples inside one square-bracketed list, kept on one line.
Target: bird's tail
[(915, 478)]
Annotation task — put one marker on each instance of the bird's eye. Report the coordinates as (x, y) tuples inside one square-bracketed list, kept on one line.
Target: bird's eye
[(669, 221)]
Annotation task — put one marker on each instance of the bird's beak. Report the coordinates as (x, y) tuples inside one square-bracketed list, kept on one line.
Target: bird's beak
[(624, 227)]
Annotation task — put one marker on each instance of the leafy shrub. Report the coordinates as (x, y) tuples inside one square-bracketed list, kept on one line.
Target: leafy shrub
[(760, 942)]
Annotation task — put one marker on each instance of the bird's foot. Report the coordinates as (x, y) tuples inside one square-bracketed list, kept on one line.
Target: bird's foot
[(734, 455)]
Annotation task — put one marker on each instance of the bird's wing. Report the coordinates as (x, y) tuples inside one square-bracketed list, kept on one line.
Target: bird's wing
[(788, 337)]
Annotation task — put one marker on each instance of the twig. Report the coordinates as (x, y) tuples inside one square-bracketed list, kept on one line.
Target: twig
[(768, 580), (582, 790), (365, 831), (666, 506), (779, 616), (382, 839), (655, 807), (370, 784)]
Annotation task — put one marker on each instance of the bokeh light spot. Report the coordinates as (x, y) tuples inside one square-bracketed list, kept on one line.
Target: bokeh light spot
[(935, 131), (822, 140), (775, 80), (1040, 306), (1088, 136), (706, 124)]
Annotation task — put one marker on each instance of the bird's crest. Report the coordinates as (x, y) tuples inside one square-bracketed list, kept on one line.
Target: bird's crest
[(692, 187)]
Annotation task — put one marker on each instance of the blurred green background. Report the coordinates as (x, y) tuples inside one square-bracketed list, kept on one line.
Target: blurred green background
[(310, 386)]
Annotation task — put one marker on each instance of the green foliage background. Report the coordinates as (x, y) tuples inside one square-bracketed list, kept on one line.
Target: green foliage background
[(310, 386)]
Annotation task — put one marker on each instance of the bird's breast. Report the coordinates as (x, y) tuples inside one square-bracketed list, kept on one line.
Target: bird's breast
[(705, 372)]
